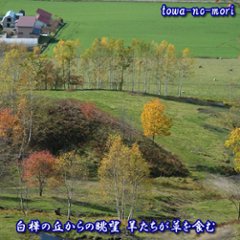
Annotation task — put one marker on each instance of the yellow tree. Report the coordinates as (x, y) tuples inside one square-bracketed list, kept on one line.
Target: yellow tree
[(99, 59), (122, 173), (159, 53), (228, 186), (169, 66), (185, 67), (138, 173), (40, 69), (70, 167), (123, 60), (65, 52), (142, 54), (154, 120), (233, 142), (10, 72)]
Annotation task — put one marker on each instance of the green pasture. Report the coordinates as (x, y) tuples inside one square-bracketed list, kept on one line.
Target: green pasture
[(216, 79), (206, 36)]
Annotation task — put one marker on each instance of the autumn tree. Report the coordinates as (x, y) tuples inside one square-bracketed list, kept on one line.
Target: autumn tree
[(9, 134), (233, 143), (123, 60), (154, 120), (16, 95), (65, 52), (159, 53), (24, 113), (185, 68), (9, 124), (230, 186), (107, 61), (71, 167), (40, 69), (170, 67), (96, 61), (38, 168), (122, 173), (10, 73), (142, 53)]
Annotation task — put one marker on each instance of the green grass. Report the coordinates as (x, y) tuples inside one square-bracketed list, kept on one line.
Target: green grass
[(216, 79), (169, 198), (207, 36)]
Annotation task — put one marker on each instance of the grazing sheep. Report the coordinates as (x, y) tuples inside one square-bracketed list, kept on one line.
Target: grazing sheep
[(58, 211)]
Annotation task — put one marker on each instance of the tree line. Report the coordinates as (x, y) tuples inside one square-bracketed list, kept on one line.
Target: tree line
[(107, 64)]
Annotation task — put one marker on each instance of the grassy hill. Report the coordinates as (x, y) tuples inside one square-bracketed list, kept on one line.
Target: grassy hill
[(198, 133), (206, 37)]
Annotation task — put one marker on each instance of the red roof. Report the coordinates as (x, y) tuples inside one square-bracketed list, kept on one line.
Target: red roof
[(43, 16), (44, 13), (26, 21), (43, 19)]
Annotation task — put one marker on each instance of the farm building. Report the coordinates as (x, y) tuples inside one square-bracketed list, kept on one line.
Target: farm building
[(25, 27), (10, 18), (43, 18)]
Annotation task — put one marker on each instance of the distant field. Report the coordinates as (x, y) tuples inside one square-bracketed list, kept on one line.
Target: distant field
[(206, 37), (214, 79)]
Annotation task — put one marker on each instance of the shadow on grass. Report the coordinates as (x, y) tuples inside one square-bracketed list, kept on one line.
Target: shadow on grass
[(223, 170), (87, 204), (166, 213), (13, 199), (212, 128)]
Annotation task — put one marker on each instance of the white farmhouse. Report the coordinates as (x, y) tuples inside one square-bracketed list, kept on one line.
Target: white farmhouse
[(10, 18)]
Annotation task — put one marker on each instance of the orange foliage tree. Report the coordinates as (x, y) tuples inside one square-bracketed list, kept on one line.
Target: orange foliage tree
[(154, 120), (38, 168), (9, 124)]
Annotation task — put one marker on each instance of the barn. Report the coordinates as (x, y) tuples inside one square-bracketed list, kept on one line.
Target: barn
[(26, 27)]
